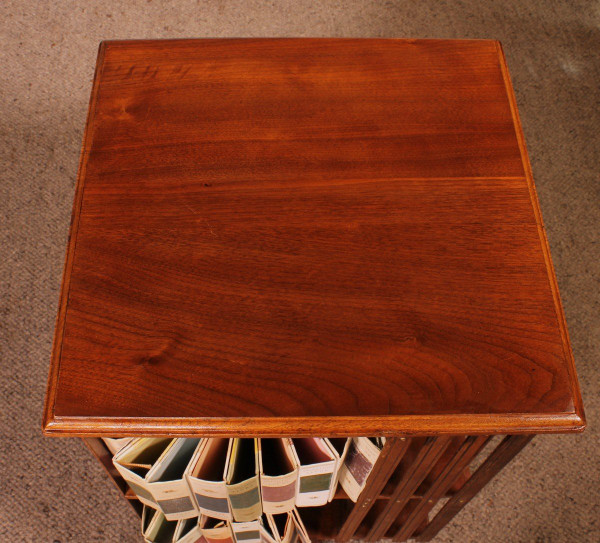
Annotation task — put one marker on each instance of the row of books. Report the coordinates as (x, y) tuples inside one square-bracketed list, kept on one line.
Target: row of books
[(238, 479), (280, 528)]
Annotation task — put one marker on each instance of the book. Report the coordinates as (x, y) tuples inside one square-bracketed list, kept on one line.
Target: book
[(134, 462), (339, 446), (155, 527), (206, 478), (317, 464), (301, 529), (278, 475), (167, 483), (188, 531), (147, 516), (282, 528), (246, 532), (215, 530), (288, 527), (360, 459), (115, 444), (266, 534), (243, 486)]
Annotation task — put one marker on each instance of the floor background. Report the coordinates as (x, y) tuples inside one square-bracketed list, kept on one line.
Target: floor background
[(51, 489)]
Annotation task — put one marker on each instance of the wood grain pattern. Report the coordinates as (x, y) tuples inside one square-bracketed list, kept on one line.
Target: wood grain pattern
[(307, 237)]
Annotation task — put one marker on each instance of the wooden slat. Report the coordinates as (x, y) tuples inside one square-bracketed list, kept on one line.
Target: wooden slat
[(446, 478), (429, 454), (130, 495), (390, 456), (104, 456), (500, 457)]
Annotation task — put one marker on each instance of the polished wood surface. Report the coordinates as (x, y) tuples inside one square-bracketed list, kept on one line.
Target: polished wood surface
[(307, 236)]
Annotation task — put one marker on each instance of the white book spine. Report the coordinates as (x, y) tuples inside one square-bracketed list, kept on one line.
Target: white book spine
[(246, 532), (210, 497), (220, 534), (359, 462), (174, 499), (244, 499), (279, 493), (138, 485), (314, 484)]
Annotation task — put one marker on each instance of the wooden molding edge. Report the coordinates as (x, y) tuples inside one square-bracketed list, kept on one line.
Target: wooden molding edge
[(50, 399), (391, 426), (560, 314)]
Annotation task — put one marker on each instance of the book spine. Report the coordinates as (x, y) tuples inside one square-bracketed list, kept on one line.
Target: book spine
[(138, 485), (314, 484), (218, 535), (211, 498), (360, 459), (244, 499), (279, 493), (174, 499), (246, 532)]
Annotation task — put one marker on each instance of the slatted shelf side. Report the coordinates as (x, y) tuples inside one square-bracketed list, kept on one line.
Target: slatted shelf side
[(392, 453), (412, 478), (451, 471), (508, 448), (104, 456), (429, 453)]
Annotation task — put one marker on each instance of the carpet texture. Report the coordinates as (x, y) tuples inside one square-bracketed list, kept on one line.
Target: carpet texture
[(52, 490)]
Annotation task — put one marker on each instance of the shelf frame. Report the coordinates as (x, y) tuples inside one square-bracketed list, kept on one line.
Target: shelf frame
[(421, 471)]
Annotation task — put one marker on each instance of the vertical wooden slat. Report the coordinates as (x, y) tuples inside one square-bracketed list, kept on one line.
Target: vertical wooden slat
[(101, 452), (432, 450), (444, 481), (500, 457), (389, 457)]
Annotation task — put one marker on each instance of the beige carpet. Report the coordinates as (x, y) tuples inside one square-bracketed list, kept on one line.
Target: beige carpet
[(51, 490)]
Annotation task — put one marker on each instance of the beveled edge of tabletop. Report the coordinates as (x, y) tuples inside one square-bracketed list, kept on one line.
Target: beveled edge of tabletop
[(390, 425), (409, 425)]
